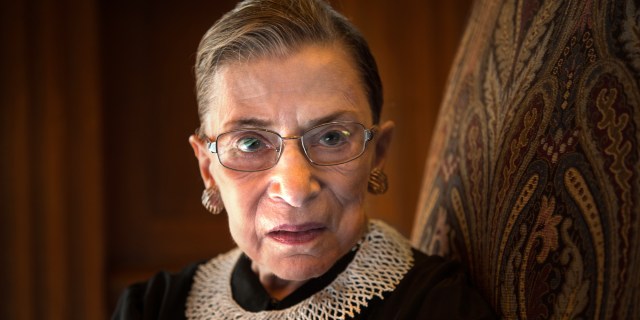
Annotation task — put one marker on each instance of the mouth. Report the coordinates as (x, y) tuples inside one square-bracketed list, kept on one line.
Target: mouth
[(296, 234)]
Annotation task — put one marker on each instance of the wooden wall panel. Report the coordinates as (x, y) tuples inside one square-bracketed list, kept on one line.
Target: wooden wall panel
[(15, 231), (51, 172)]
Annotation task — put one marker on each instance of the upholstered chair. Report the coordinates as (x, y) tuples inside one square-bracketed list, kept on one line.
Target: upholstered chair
[(533, 175)]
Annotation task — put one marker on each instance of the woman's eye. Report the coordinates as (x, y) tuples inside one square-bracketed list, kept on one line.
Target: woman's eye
[(334, 138), (250, 144)]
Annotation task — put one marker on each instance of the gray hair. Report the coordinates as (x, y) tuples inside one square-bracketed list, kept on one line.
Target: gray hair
[(257, 28)]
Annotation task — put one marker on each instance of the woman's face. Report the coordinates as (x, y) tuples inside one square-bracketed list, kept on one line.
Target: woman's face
[(296, 219)]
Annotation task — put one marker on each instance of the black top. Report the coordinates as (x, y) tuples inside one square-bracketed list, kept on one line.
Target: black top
[(433, 289)]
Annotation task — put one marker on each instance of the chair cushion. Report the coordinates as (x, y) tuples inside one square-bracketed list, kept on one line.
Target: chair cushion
[(532, 179)]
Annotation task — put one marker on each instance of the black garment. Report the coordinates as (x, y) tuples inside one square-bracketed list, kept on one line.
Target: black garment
[(432, 289), (162, 297)]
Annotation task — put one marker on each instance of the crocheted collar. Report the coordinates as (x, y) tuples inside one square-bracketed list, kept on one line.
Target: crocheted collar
[(381, 262)]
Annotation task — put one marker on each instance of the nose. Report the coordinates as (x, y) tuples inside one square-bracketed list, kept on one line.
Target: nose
[(292, 178)]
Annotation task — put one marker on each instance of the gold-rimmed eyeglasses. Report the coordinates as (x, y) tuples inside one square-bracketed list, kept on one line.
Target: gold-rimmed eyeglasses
[(256, 149)]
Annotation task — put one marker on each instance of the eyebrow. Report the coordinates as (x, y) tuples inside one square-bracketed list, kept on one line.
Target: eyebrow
[(338, 115), (249, 123), (262, 123)]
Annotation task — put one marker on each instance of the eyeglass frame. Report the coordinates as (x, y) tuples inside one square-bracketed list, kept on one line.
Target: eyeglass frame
[(369, 134)]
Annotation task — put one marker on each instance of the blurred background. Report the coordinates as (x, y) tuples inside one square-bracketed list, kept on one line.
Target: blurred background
[(99, 187)]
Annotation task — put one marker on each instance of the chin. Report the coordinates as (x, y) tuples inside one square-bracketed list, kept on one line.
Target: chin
[(301, 269)]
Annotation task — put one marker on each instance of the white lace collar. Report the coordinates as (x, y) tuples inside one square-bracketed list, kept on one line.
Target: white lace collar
[(381, 262)]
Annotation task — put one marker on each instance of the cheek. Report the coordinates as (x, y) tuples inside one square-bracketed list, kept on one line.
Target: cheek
[(241, 196), (349, 183), (238, 189), (242, 224)]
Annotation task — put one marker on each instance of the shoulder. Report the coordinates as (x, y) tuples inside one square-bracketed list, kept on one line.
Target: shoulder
[(435, 287), (161, 297)]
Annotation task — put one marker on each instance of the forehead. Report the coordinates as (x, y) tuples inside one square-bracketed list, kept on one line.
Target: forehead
[(293, 92)]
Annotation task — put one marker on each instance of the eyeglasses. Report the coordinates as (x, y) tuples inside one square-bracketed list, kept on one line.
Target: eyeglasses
[(255, 149)]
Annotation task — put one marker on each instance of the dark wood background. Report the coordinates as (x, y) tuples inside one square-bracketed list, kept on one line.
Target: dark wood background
[(99, 186)]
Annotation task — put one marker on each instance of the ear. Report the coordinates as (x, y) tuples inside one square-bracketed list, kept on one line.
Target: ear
[(383, 141), (204, 160)]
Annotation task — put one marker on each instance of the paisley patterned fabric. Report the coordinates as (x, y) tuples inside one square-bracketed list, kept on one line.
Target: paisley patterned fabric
[(533, 177)]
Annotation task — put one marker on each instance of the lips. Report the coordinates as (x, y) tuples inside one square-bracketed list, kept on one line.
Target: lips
[(296, 234)]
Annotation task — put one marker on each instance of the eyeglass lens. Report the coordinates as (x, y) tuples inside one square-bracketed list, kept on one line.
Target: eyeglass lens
[(258, 149)]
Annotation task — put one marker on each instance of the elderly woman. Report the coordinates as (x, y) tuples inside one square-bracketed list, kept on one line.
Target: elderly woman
[(289, 145)]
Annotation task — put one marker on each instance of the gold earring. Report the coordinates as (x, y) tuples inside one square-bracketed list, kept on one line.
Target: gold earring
[(377, 182), (212, 201)]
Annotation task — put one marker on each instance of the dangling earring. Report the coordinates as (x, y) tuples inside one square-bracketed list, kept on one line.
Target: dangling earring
[(377, 182), (212, 201)]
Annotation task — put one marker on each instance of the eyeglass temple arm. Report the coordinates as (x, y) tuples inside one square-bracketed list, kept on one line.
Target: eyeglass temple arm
[(370, 133)]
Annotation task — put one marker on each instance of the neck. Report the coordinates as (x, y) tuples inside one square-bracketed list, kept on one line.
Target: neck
[(276, 287)]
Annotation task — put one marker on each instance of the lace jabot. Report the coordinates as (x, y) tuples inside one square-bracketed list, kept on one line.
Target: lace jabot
[(381, 262)]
